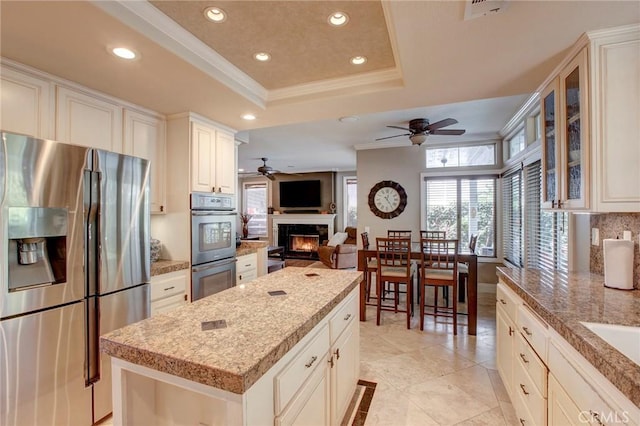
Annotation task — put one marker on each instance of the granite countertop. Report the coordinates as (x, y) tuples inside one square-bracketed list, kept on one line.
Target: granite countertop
[(260, 328), (164, 266), (250, 246), (563, 300)]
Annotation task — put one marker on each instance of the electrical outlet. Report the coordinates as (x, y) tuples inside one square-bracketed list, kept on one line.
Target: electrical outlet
[(595, 237), (626, 235)]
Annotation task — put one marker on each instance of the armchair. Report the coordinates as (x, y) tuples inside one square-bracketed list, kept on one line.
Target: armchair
[(342, 255)]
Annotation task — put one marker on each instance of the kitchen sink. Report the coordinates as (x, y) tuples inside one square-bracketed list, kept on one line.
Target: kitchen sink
[(624, 338)]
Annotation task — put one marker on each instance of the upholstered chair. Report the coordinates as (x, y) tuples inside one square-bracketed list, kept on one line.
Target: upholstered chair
[(341, 251)]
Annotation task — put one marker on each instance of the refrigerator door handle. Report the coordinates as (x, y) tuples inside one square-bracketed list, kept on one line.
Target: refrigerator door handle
[(92, 270)]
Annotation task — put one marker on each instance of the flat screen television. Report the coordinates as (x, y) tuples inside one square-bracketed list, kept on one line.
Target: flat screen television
[(300, 193)]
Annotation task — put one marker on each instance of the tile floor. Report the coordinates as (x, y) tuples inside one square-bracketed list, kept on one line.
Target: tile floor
[(432, 377)]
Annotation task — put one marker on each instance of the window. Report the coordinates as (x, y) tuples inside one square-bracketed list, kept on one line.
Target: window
[(255, 205), (350, 191), (517, 143), (546, 232), (461, 156), (462, 206), (512, 233), (542, 243)]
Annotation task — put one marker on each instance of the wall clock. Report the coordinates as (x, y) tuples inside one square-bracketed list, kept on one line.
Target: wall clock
[(387, 199)]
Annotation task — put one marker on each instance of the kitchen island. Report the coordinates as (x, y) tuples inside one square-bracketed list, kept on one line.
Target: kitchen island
[(278, 350)]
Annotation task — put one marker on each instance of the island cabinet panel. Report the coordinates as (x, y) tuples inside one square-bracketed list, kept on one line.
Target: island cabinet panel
[(311, 383)]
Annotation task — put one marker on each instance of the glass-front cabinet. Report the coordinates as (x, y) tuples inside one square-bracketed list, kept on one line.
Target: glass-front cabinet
[(564, 140)]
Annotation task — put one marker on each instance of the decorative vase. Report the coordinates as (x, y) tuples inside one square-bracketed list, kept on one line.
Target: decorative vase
[(245, 230)]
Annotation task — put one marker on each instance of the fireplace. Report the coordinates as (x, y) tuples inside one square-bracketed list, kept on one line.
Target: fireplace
[(311, 231), (301, 241), (304, 243)]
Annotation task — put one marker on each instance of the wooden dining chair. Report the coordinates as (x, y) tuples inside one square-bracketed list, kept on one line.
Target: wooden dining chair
[(438, 268), (435, 235), (463, 271), (370, 266), (398, 234), (395, 267)]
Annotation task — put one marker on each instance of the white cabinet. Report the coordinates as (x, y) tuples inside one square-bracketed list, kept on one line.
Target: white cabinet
[(548, 381), (88, 120), (26, 103), (246, 268), (590, 131), (506, 332), (212, 159), (311, 404), (168, 291), (144, 136)]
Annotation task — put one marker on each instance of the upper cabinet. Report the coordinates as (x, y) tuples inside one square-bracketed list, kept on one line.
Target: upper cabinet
[(144, 136), (591, 132), (207, 148), (564, 144), (212, 159), (25, 102), (87, 120)]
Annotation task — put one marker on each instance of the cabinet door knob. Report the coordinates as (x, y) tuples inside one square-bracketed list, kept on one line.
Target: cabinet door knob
[(346, 318), (510, 331), (524, 391), (169, 288), (522, 422), (338, 353), (503, 302), (330, 361), (524, 358), (161, 208), (527, 332)]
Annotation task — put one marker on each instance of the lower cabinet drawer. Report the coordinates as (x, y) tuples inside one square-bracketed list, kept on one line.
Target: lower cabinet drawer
[(290, 380), (343, 317), (529, 395), (532, 364), (534, 330), (169, 284)]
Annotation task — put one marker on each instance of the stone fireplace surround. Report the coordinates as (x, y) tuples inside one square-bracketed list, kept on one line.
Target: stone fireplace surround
[(301, 224)]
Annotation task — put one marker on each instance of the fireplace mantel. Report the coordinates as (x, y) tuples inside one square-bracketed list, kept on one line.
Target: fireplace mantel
[(300, 219)]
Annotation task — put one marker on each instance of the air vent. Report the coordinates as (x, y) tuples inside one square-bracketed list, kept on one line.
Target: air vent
[(478, 8)]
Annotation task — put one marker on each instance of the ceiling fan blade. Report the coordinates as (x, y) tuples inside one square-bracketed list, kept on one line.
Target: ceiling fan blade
[(452, 132), (389, 137), (270, 176), (401, 128), (442, 123)]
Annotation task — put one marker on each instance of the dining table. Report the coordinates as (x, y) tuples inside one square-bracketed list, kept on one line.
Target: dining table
[(465, 255)]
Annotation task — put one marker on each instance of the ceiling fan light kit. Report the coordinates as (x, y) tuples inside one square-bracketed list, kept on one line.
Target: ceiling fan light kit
[(420, 128)]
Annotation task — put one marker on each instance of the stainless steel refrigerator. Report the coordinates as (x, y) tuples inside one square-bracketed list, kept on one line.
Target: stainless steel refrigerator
[(74, 254)]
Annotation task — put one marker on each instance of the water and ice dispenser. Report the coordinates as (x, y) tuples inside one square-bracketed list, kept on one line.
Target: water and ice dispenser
[(37, 246)]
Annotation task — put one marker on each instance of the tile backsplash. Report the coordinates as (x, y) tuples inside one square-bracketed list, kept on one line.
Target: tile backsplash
[(613, 225)]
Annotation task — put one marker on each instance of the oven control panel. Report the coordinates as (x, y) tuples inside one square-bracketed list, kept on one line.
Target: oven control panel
[(212, 202)]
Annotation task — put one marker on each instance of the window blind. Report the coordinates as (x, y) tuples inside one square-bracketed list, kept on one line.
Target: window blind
[(547, 243), (512, 233), (255, 195)]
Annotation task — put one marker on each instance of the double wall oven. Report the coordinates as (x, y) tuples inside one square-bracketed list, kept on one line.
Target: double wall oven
[(213, 244)]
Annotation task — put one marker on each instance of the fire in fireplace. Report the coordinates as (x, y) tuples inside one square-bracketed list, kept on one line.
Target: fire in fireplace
[(304, 243)]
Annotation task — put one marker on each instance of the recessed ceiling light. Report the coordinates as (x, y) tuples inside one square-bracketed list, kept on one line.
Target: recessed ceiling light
[(124, 53), (338, 19), (248, 117), (215, 14), (262, 56), (348, 119), (358, 60)]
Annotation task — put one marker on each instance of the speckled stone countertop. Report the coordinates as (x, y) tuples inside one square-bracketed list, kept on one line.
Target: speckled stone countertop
[(563, 300), (260, 328), (248, 247), (163, 266)]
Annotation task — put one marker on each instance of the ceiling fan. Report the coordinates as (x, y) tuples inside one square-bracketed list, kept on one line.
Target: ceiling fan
[(263, 170), (419, 129)]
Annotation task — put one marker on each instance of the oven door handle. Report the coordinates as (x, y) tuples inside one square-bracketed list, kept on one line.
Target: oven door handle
[(216, 264), (212, 213)]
